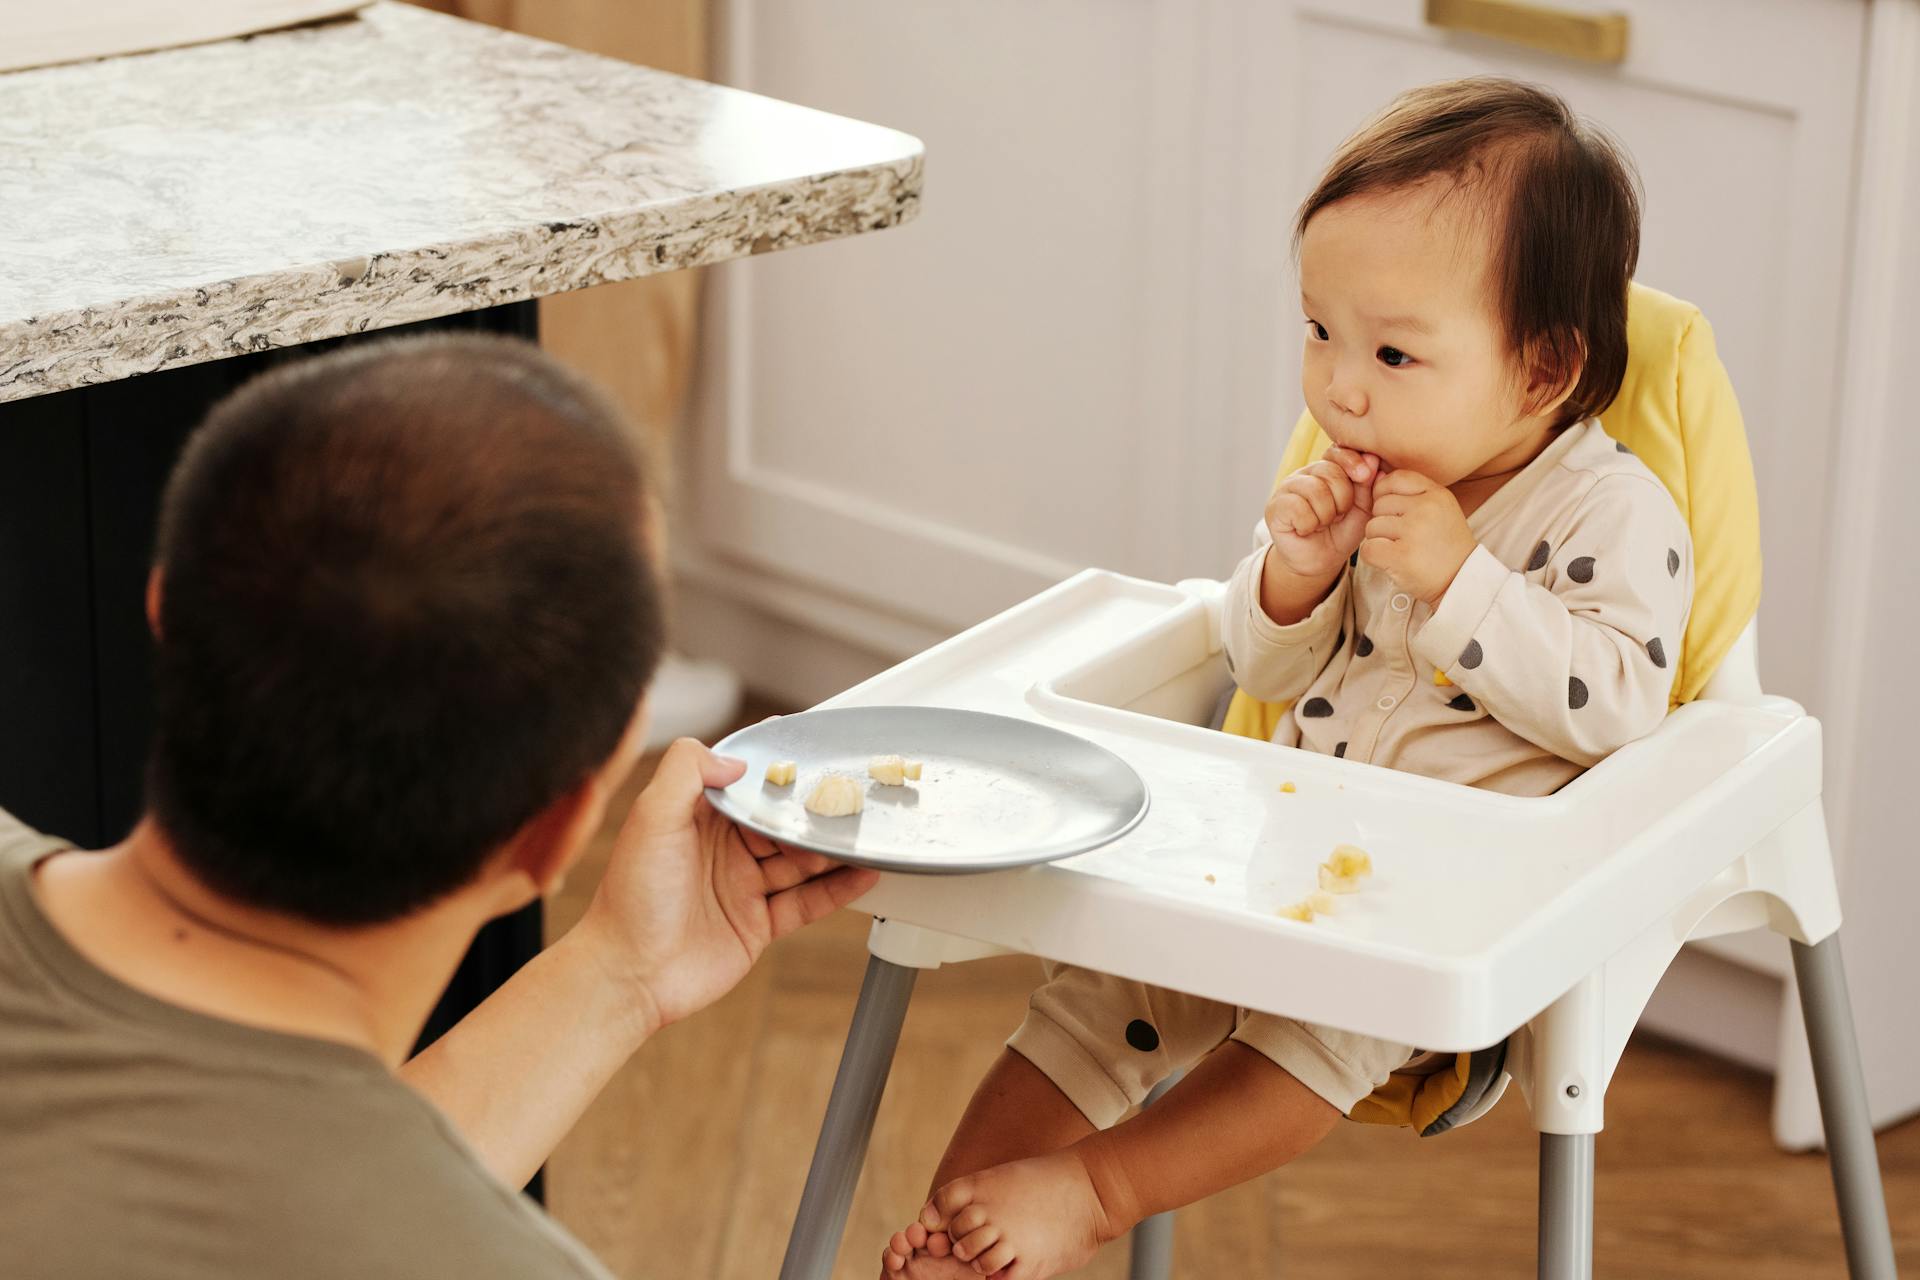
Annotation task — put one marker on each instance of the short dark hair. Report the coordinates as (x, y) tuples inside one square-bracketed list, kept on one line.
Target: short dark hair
[(1566, 215), (406, 603)]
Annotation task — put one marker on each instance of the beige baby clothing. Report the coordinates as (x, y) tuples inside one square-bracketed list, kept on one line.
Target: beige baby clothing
[(1551, 649)]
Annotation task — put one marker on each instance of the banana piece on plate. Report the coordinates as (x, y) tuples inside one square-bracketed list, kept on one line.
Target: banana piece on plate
[(836, 796), (1296, 911), (781, 773), (893, 771)]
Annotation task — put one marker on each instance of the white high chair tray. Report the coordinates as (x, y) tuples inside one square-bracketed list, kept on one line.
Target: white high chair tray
[(1482, 909), (995, 791)]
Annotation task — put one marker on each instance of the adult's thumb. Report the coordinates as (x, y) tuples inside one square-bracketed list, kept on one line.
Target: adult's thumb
[(686, 770)]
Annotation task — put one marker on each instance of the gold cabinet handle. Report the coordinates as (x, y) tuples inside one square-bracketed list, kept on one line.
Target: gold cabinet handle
[(1592, 37)]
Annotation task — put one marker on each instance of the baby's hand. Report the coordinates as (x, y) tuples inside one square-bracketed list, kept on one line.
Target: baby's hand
[(1417, 533), (1318, 516), (1042, 1214)]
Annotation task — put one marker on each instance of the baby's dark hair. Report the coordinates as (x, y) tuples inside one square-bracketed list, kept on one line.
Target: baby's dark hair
[(1563, 203)]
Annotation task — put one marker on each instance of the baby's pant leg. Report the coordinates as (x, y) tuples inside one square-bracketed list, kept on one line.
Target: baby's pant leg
[(1105, 1042), (1339, 1066)]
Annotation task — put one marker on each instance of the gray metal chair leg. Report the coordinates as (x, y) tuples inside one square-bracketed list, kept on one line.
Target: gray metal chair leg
[(1566, 1206), (1150, 1243), (1842, 1090), (842, 1148)]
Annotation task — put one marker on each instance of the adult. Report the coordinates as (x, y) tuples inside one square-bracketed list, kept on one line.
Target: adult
[(405, 612)]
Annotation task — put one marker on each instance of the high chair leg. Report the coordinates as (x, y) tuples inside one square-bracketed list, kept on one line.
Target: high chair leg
[(1843, 1109), (842, 1148), (1150, 1243), (1566, 1206)]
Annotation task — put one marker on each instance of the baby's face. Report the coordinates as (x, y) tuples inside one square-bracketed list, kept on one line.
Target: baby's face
[(1405, 356)]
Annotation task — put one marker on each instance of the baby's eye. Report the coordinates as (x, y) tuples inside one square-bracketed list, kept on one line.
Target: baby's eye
[(1394, 357), (1318, 330)]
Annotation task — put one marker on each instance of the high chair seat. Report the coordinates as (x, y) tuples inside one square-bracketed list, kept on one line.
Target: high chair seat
[(1542, 923)]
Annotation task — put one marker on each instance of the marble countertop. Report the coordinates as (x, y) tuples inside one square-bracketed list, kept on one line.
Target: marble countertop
[(192, 204)]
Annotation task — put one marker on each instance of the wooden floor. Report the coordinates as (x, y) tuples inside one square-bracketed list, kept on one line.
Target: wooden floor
[(690, 1165)]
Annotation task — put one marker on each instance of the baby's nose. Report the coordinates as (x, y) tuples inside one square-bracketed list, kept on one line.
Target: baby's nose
[(1348, 399)]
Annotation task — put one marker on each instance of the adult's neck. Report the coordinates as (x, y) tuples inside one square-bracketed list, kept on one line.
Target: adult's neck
[(139, 913)]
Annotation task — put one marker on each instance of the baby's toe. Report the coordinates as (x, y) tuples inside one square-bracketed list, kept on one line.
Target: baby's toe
[(993, 1259), (939, 1244), (915, 1235)]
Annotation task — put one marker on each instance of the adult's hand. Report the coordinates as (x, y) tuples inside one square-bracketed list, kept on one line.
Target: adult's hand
[(690, 900)]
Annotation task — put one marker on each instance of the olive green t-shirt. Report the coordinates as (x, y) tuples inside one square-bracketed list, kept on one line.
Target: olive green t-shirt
[(142, 1141)]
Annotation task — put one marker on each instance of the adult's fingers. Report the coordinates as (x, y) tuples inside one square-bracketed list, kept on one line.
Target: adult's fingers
[(685, 772), (786, 868), (821, 896)]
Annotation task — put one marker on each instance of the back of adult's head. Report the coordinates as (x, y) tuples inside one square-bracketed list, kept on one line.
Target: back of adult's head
[(406, 604)]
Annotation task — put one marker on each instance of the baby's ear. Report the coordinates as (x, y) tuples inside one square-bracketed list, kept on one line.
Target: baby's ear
[(1553, 365)]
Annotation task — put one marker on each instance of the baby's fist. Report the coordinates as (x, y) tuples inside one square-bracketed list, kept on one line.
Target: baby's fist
[(1318, 515)]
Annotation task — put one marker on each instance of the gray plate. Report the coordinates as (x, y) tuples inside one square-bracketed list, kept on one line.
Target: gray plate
[(995, 791)]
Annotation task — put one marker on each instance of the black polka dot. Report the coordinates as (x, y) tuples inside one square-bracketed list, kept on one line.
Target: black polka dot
[(1142, 1036), (1622, 448), (1462, 702), (1340, 640), (1364, 647), (1472, 655), (1581, 570), (1658, 652), (1538, 560), (1576, 692), (1316, 708), (1340, 749), (1673, 563)]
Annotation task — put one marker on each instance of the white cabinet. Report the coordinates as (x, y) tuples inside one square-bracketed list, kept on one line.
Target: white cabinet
[(1086, 350)]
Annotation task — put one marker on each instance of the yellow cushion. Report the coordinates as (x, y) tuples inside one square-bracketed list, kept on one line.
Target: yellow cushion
[(1677, 411)]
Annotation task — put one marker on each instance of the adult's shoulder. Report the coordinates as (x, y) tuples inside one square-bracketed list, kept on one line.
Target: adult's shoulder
[(20, 842)]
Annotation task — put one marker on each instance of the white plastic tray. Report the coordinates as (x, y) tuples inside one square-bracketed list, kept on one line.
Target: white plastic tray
[(1482, 910)]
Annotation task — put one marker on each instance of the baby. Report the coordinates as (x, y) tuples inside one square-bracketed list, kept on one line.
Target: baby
[(1475, 583)]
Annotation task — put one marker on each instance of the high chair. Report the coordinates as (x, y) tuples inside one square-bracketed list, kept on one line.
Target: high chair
[(1525, 934)]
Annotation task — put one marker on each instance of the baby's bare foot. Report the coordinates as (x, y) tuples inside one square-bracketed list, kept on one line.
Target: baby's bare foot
[(1041, 1212)]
